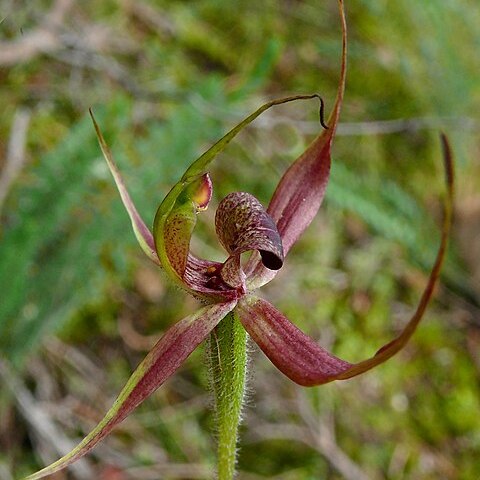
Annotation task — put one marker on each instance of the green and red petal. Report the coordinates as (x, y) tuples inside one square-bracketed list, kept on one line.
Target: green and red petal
[(142, 233), (161, 362)]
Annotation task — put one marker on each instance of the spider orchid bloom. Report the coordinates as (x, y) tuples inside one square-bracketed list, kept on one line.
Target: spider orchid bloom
[(242, 225)]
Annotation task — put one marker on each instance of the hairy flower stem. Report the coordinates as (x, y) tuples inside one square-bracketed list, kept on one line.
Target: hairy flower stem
[(228, 360)]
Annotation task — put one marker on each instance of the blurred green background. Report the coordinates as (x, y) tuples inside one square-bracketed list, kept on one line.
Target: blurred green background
[(80, 306)]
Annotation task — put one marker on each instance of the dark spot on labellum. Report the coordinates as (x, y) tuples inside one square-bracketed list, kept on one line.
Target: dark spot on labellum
[(270, 260)]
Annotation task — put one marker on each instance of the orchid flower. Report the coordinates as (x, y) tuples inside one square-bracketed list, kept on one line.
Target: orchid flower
[(228, 290)]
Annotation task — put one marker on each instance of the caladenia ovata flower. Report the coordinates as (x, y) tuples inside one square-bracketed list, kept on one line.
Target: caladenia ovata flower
[(231, 306)]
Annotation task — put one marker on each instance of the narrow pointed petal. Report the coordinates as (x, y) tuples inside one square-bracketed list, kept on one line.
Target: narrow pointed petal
[(299, 357), (300, 192), (199, 166), (141, 231), (162, 361), (391, 348), (293, 352)]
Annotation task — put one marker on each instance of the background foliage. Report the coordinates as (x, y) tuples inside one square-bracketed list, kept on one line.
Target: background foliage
[(80, 306)]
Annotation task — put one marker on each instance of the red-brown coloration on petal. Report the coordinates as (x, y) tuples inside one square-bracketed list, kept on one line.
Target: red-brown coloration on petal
[(203, 277), (203, 193), (293, 352), (178, 231), (162, 361), (300, 192), (391, 348), (299, 357)]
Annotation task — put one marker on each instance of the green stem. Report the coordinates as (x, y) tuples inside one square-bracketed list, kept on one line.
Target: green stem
[(228, 360)]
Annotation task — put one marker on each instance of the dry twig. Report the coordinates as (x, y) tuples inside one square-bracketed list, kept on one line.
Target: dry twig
[(42, 426), (15, 154), (43, 39), (323, 436)]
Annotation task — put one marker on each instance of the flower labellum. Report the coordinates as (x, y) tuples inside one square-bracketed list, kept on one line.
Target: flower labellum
[(227, 289)]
